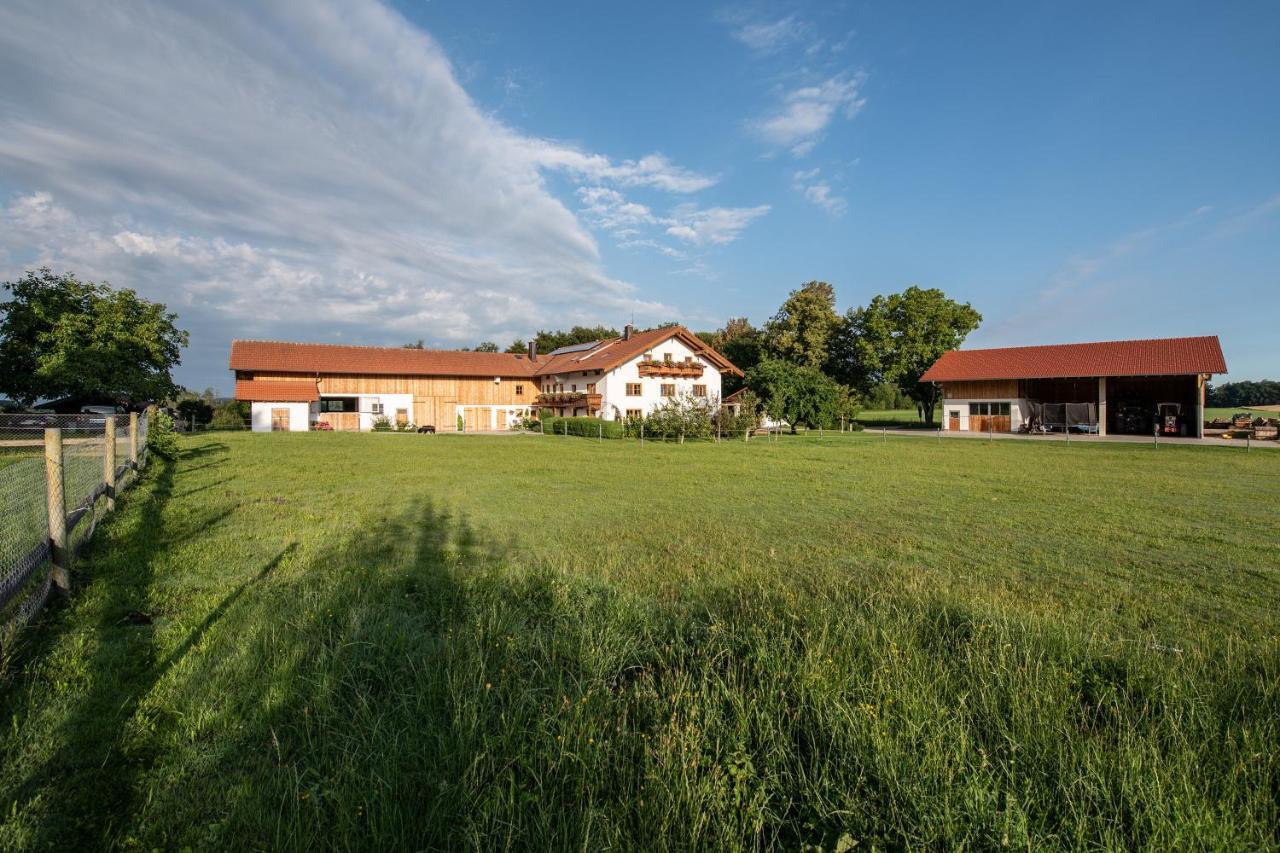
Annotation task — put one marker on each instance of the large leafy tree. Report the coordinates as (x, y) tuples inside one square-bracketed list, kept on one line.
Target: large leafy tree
[(800, 395), (896, 338), (741, 343), (63, 337), (801, 330), (548, 341)]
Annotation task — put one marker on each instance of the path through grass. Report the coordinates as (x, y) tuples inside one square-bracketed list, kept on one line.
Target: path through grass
[(369, 641)]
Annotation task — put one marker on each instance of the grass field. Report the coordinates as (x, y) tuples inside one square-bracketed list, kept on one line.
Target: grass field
[(899, 418), (294, 641), (1210, 413)]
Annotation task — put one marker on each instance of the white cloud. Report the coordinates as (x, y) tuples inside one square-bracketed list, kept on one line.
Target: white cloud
[(714, 226), (628, 221), (819, 192), (770, 36), (799, 121), (296, 169)]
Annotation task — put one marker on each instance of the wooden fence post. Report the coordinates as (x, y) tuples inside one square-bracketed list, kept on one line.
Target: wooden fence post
[(57, 510), (109, 460), (133, 440)]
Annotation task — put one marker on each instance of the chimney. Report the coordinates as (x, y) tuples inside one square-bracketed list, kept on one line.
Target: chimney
[(533, 350), (626, 331)]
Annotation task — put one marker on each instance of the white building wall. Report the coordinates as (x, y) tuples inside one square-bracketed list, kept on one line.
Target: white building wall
[(299, 416), (390, 402), (615, 395), (1016, 408)]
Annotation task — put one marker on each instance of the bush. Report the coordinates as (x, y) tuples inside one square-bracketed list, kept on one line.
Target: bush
[(684, 416), (194, 410), (585, 427), (233, 414), (381, 424), (161, 439)]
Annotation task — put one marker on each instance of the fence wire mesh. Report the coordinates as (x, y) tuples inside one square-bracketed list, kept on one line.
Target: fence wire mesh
[(80, 492)]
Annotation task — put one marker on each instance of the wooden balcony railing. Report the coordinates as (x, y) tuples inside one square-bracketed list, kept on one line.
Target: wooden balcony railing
[(570, 398), (681, 369)]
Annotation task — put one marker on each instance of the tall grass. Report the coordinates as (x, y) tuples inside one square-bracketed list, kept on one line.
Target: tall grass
[(450, 642)]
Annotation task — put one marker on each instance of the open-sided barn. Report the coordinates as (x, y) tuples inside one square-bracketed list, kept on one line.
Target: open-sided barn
[(1117, 387)]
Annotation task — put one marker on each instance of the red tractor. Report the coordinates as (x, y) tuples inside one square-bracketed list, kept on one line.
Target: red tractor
[(1169, 420)]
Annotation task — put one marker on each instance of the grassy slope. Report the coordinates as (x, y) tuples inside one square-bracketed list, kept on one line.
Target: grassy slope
[(1226, 413), (404, 641)]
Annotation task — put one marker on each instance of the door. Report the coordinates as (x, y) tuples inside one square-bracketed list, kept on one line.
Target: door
[(502, 418), (953, 420), (279, 420), (402, 417), (475, 418)]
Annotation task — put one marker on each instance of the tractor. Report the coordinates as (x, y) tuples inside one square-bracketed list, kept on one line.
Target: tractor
[(1169, 420)]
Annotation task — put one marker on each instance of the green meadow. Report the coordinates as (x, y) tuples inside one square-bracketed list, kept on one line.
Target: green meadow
[(300, 641)]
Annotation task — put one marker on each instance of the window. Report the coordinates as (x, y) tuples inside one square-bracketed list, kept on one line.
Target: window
[(633, 389), (574, 387), (699, 390), (634, 413), (648, 356), (591, 387), (669, 390), (519, 390), (340, 404), (666, 358), (376, 408), (688, 359), (984, 409)]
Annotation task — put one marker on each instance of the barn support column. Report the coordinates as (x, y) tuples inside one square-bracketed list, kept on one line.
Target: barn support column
[(1200, 406), (1102, 405)]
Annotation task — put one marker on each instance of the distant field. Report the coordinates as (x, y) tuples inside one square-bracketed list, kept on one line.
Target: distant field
[(1269, 412), (899, 418), (300, 641)]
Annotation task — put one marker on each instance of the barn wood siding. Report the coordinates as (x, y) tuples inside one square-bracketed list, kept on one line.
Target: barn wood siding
[(435, 398), (989, 389)]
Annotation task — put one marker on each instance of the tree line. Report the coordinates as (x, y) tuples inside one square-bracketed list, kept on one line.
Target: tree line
[(808, 364), (1231, 395)]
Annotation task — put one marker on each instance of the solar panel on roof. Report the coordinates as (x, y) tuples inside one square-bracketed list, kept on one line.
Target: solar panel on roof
[(574, 348)]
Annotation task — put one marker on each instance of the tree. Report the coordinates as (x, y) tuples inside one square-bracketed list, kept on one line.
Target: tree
[(517, 346), (61, 337), (799, 394), (548, 341), (801, 330), (486, 346), (742, 344), (896, 338), (1230, 395), (416, 345)]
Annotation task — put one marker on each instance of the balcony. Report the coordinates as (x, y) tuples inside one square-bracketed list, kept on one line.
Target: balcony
[(678, 369), (562, 399)]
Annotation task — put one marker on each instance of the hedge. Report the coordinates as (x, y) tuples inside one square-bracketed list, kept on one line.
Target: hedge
[(585, 427)]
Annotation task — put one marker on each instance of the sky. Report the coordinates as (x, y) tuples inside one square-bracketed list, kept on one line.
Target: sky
[(373, 173)]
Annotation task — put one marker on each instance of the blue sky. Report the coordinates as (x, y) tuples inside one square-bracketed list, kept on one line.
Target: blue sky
[(451, 171)]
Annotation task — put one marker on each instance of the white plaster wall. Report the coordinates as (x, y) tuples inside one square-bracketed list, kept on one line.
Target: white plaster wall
[(1016, 408), (615, 394), (390, 402), (299, 416)]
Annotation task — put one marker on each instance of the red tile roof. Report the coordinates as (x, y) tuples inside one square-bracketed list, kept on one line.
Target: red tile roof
[(611, 353), (281, 357), (263, 390), (1156, 357)]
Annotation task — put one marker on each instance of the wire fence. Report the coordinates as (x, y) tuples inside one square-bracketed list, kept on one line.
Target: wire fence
[(58, 475)]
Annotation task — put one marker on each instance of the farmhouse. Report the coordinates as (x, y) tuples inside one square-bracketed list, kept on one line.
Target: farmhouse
[(293, 386), (1118, 387)]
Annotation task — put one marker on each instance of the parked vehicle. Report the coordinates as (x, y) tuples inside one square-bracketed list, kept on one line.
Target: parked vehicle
[(427, 430), (322, 426), (1169, 420)]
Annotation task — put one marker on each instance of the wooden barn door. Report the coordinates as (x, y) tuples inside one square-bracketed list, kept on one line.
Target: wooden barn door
[(279, 420), (953, 420)]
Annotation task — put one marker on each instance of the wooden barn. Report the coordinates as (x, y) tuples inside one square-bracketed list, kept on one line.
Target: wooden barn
[(1117, 387), (299, 386)]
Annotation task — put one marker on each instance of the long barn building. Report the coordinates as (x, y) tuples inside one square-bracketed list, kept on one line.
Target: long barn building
[(295, 386), (1116, 387)]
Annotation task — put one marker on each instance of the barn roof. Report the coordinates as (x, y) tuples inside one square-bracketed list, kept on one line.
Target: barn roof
[(283, 357), (1153, 357), (612, 352), (264, 390)]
